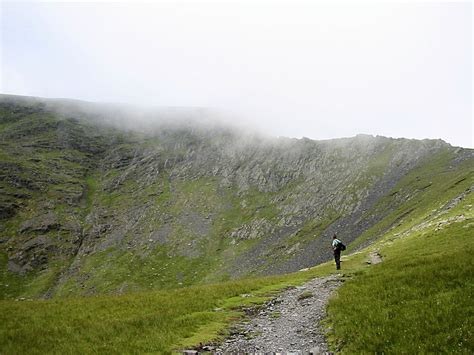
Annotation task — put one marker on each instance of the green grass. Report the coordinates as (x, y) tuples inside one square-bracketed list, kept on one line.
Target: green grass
[(117, 271), (13, 285), (153, 321), (378, 164), (314, 228), (419, 300), (418, 195), (158, 322), (91, 189)]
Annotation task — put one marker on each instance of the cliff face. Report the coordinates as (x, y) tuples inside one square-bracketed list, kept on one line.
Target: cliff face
[(89, 204)]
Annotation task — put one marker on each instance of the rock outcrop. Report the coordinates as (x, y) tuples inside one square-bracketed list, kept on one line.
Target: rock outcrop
[(113, 207)]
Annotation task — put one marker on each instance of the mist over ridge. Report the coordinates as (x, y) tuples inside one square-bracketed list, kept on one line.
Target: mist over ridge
[(241, 176), (290, 69), (86, 193), (151, 119)]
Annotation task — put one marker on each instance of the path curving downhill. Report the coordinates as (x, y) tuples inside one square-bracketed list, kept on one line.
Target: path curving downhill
[(288, 324)]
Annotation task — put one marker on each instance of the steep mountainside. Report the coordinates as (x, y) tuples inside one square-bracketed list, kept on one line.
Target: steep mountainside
[(90, 204)]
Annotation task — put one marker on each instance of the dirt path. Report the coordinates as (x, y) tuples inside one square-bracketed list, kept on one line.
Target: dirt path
[(288, 324)]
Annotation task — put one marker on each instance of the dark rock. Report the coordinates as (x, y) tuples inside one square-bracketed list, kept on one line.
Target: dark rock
[(258, 205), (42, 223)]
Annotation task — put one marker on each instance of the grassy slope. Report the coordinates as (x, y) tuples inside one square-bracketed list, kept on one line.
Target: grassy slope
[(418, 300), (418, 195), (62, 172), (141, 322), (34, 144), (54, 174), (107, 271), (411, 302)]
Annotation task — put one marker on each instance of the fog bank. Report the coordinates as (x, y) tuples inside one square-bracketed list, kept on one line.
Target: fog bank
[(287, 68)]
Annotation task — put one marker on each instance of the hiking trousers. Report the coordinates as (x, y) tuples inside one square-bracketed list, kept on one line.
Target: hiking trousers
[(337, 259)]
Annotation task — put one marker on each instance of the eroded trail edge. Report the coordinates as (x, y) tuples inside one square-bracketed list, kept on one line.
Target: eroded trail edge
[(289, 323)]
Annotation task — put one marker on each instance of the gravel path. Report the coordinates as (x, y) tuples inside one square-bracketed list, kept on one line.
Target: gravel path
[(287, 324)]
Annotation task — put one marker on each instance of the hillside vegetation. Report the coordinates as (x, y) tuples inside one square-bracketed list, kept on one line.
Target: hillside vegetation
[(418, 299), (169, 224), (89, 205)]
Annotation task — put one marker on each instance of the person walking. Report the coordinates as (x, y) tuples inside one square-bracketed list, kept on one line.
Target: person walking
[(337, 247)]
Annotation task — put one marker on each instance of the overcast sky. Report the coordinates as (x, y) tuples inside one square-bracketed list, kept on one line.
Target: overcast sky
[(291, 68)]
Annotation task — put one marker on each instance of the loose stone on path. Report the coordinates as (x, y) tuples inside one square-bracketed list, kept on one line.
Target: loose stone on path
[(289, 324)]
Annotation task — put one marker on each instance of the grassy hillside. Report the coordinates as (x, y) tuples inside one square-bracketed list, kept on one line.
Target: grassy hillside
[(164, 229), (136, 323), (88, 206), (419, 299)]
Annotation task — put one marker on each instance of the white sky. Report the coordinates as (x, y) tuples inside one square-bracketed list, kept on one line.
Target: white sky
[(291, 68)]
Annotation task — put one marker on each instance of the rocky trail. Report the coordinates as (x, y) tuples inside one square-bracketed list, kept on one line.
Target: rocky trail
[(288, 324)]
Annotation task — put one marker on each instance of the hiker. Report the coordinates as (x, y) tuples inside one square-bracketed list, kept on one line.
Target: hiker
[(337, 246)]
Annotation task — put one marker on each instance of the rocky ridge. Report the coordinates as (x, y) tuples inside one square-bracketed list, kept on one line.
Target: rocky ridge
[(89, 204)]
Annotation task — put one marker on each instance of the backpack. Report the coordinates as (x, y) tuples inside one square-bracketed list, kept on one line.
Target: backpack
[(341, 246)]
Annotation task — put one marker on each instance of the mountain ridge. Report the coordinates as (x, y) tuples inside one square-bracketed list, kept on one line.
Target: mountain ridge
[(91, 208)]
